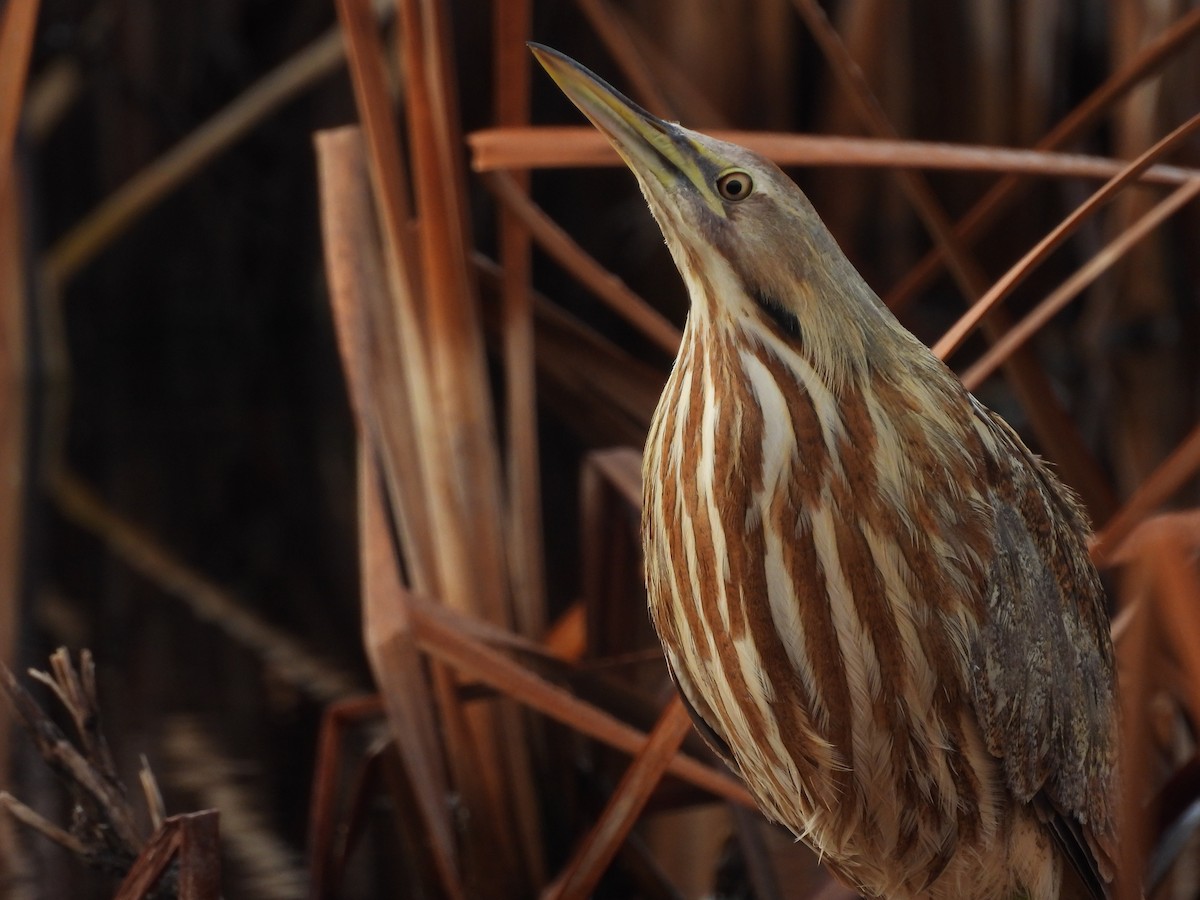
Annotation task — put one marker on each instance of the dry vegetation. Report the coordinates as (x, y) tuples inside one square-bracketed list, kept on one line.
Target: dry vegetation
[(263, 410)]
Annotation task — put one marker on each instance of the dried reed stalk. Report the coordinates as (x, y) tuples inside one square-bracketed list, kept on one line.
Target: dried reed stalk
[(511, 27), (440, 344), (476, 576), (569, 146), (191, 843), (328, 843), (423, 480), (104, 830), (380, 393), (17, 26), (591, 858), (370, 341), (396, 664), (384, 393), (381, 337)]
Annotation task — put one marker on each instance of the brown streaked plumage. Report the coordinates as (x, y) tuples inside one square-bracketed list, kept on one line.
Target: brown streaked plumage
[(877, 602)]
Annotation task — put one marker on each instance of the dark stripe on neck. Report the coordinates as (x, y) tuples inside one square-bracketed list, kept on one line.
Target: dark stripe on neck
[(787, 321)]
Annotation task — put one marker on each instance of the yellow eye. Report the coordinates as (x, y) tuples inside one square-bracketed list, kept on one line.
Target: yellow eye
[(735, 185)]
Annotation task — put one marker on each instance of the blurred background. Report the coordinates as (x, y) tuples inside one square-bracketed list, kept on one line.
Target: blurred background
[(180, 491)]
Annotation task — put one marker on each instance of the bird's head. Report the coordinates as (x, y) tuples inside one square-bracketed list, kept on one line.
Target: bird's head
[(749, 244)]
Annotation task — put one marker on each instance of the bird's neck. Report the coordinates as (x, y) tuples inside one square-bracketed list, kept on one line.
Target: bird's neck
[(838, 331)]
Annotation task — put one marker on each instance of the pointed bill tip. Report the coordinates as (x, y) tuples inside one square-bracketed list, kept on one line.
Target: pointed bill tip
[(653, 148), (556, 62), (585, 88)]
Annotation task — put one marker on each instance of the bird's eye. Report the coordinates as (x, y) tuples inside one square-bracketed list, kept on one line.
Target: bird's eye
[(735, 185)]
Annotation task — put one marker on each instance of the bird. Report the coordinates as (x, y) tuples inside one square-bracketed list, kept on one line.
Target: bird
[(874, 599)]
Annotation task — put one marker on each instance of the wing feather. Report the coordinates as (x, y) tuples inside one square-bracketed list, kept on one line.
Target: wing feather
[(1043, 658)]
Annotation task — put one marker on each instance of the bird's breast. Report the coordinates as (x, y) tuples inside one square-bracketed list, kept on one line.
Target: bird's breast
[(787, 578)]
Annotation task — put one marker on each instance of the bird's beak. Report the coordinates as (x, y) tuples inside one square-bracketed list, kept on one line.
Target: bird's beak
[(659, 152)]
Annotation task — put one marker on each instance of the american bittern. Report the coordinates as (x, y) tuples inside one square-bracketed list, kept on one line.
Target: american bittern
[(877, 602)]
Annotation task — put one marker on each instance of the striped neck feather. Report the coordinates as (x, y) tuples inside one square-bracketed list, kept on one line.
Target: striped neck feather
[(843, 338)]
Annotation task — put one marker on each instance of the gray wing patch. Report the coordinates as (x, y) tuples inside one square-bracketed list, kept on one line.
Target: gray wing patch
[(1043, 660), (1046, 693)]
